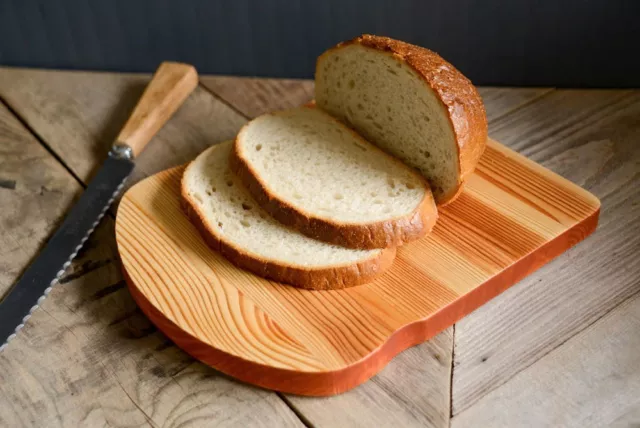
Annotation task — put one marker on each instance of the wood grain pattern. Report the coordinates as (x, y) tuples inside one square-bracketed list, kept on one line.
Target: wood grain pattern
[(544, 310), (170, 85), (556, 383), (513, 217)]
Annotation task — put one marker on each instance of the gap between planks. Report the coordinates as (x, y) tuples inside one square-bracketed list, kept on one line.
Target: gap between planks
[(49, 150), (453, 366), (40, 140), (303, 419), (535, 99), (223, 101)]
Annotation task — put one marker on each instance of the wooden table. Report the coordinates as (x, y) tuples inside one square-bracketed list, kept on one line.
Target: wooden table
[(561, 348)]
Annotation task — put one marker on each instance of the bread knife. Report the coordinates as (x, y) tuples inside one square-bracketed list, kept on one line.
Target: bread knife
[(169, 88)]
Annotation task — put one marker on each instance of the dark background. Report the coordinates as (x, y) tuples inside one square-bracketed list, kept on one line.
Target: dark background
[(589, 43)]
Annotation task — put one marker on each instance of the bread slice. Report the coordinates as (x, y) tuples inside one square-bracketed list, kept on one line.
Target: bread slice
[(408, 101), (232, 223), (311, 172)]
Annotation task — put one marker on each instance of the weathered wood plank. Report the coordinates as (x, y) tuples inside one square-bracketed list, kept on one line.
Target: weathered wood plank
[(35, 191), (500, 101), (79, 114), (253, 96), (598, 155), (629, 418), (592, 380), (590, 138), (559, 115), (89, 357)]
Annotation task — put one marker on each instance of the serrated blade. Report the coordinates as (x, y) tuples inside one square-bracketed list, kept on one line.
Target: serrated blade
[(36, 282)]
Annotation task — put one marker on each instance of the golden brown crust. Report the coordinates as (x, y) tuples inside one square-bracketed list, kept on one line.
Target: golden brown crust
[(456, 92), (330, 278), (384, 234)]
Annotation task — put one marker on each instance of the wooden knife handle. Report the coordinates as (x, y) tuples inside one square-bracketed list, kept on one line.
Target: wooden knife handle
[(170, 86)]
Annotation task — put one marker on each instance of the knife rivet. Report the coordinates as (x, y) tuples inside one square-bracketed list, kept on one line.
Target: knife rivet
[(26, 318), (121, 151), (11, 337)]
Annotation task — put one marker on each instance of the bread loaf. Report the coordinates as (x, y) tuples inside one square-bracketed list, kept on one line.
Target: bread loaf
[(408, 101)]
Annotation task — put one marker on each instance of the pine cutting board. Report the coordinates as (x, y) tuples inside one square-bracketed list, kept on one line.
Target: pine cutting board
[(513, 217)]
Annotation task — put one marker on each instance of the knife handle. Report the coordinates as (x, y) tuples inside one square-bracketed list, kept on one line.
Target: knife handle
[(170, 86)]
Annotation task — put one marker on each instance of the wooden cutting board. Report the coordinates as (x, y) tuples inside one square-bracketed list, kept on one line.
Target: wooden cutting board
[(513, 217)]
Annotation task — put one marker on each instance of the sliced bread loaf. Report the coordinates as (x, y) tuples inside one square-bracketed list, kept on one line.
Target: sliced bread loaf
[(408, 101), (232, 223), (311, 172)]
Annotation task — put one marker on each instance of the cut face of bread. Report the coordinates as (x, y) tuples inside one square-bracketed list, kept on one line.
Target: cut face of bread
[(311, 172), (408, 101), (232, 222)]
